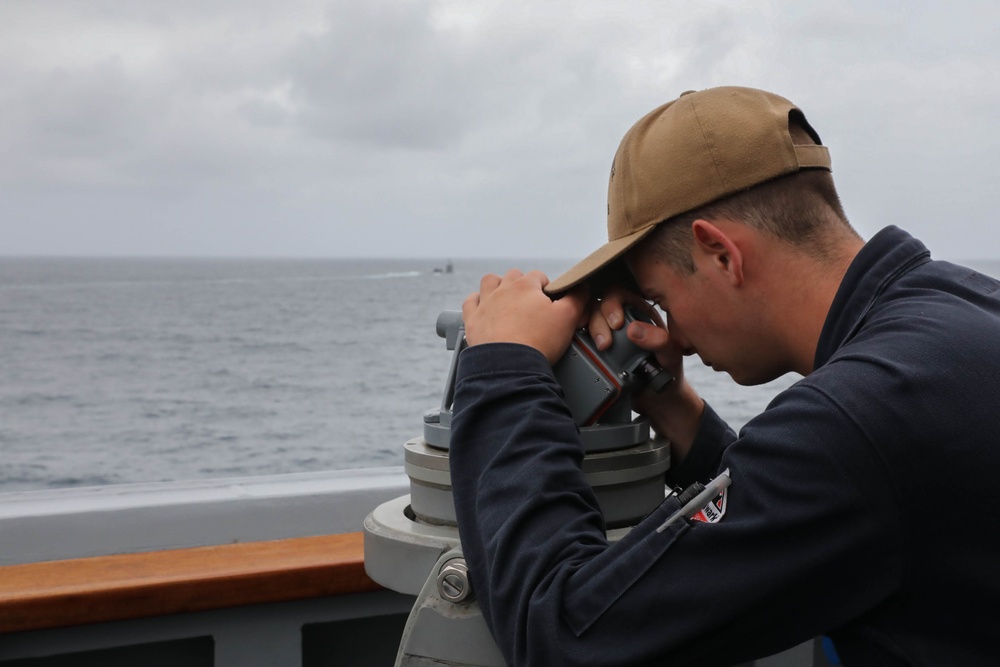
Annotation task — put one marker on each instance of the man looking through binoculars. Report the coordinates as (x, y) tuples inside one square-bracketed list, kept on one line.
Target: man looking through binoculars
[(861, 503)]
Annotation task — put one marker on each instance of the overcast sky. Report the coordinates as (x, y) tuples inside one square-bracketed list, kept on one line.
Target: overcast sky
[(445, 128)]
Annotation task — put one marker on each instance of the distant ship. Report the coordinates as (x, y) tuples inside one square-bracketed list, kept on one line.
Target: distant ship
[(447, 269)]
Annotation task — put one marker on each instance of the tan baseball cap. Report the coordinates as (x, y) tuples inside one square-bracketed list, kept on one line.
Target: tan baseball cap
[(701, 147)]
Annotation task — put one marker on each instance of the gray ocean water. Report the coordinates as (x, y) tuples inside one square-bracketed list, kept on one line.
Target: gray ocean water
[(132, 370)]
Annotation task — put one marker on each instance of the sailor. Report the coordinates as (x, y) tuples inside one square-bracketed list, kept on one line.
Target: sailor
[(862, 504)]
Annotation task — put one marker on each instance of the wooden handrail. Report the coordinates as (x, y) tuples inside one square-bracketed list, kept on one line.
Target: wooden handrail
[(110, 588)]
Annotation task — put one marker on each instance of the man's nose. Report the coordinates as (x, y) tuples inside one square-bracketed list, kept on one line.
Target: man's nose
[(677, 338)]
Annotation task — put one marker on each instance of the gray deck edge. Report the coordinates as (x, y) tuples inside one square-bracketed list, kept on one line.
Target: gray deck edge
[(92, 521)]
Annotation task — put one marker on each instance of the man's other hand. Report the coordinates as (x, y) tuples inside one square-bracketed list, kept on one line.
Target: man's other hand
[(676, 411), (514, 309)]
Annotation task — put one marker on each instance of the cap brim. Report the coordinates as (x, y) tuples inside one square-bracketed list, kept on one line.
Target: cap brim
[(596, 261)]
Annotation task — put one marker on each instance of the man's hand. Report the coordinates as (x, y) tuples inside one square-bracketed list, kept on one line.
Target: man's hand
[(655, 338), (676, 411), (514, 309)]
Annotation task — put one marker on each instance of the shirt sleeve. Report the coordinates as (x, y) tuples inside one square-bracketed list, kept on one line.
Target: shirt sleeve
[(705, 454), (803, 545)]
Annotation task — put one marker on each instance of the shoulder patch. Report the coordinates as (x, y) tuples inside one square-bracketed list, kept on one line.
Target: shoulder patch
[(708, 506), (714, 510)]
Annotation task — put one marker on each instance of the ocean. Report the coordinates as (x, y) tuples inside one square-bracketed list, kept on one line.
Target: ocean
[(118, 370)]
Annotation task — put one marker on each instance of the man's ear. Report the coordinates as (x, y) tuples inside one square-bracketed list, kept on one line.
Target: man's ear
[(719, 250)]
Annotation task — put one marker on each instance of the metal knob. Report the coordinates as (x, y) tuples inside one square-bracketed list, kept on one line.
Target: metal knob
[(658, 378), (453, 581)]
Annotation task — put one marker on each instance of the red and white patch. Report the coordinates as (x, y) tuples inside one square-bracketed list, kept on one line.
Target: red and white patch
[(714, 510)]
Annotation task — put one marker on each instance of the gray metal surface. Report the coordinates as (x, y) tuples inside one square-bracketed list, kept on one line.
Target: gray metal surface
[(400, 552), (94, 521), (268, 635), (452, 633)]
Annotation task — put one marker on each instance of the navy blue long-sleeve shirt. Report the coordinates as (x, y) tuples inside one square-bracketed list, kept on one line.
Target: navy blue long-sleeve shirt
[(863, 505)]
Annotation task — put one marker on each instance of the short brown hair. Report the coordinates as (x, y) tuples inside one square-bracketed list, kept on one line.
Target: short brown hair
[(802, 208)]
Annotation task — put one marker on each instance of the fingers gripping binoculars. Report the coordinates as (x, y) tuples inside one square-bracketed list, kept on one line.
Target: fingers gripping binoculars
[(593, 381)]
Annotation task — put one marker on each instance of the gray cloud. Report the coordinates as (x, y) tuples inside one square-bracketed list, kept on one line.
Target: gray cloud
[(446, 128)]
